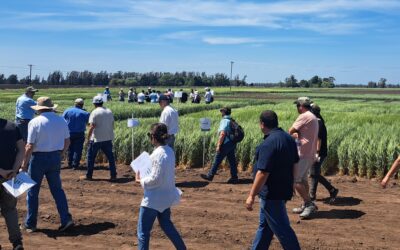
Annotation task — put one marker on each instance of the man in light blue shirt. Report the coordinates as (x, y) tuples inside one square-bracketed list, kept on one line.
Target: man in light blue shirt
[(153, 97), (23, 111), (77, 119)]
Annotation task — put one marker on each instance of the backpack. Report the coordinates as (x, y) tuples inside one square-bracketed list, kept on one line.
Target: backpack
[(237, 133), (212, 99)]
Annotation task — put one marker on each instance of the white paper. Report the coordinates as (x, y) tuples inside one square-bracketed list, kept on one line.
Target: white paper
[(178, 94), (133, 122), (205, 124), (212, 92), (142, 164), (19, 185)]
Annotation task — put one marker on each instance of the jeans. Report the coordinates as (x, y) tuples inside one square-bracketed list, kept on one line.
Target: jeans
[(46, 164), (227, 150), (106, 147), (8, 207), (315, 174), (22, 125), (75, 149), (274, 220), (146, 220)]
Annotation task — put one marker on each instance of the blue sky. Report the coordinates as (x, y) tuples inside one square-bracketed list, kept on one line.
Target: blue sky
[(354, 41)]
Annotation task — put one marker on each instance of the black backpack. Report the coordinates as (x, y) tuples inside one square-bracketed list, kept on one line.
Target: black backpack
[(237, 133)]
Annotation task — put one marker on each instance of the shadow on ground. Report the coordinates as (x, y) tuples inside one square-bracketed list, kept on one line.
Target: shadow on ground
[(338, 214), (342, 201), (86, 230), (192, 184)]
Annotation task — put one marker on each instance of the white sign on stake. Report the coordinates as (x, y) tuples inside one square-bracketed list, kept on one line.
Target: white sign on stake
[(133, 122), (142, 164), (205, 124), (178, 94), (19, 185)]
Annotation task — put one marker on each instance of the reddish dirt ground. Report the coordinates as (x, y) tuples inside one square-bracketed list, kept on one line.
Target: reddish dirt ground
[(211, 216)]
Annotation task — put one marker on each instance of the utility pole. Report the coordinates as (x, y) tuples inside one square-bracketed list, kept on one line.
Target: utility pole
[(230, 83), (30, 73)]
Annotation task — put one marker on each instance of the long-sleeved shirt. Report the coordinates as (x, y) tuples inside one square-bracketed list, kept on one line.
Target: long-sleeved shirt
[(160, 192)]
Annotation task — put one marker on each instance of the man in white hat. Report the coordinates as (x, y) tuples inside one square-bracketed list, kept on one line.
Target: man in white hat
[(48, 140), (77, 118), (100, 136), (23, 111)]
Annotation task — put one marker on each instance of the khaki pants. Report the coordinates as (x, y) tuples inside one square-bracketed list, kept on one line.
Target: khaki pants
[(8, 206)]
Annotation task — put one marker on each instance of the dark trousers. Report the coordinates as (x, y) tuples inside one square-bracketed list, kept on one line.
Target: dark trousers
[(274, 221), (227, 150), (106, 147), (8, 208), (316, 177), (22, 125), (75, 149)]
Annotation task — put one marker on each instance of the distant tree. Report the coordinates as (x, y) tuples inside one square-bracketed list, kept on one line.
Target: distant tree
[(304, 84), (55, 78), (372, 84), (291, 82), (315, 82), (2, 79), (382, 83), (12, 79)]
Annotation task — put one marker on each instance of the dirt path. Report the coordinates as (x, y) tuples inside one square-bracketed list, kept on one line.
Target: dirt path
[(211, 216)]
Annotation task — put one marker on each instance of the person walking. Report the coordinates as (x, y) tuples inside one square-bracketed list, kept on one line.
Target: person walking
[(48, 140), (77, 119), (305, 131), (170, 117), (131, 95), (160, 192), (100, 136), (23, 111), (322, 153), (121, 95), (11, 154), (208, 96), (225, 148), (393, 169), (273, 183), (108, 93)]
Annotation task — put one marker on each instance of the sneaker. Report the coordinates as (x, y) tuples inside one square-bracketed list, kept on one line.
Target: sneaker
[(207, 177), (233, 180), (298, 210), (65, 227), (18, 245), (27, 229), (333, 194), (313, 197), (308, 210)]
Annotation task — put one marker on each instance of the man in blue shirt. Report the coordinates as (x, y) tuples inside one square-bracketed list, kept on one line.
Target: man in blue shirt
[(153, 96), (273, 183), (77, 119), (225, 148), (23, 111)]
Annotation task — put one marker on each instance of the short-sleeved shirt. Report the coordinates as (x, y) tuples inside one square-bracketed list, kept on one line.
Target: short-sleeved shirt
[(277, 155), (8, 133), (47, 132), (208, 96), (169, 116), (224, 125), (76, 119), (103, 120), (323, 136), (153, 97), (307, 126), (141, 97), (23, 108)]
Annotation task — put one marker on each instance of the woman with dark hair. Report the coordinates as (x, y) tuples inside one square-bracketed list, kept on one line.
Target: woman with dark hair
[(160, 192), (322, 151)]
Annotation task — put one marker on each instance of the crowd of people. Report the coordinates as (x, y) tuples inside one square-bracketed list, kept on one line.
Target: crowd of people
[(284, 161)]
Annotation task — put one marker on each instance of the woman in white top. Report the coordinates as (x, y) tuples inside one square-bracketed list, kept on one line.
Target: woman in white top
[(160, 192)]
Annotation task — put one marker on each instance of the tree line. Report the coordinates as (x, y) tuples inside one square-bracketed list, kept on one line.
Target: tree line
[(127, 79)]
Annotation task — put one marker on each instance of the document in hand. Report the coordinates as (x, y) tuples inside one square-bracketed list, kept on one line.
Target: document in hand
[(142, 164), (19, 185)]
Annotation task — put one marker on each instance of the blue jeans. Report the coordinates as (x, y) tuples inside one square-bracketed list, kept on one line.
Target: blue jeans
[(227, 150), (22, 125), (46, 164), (75, 148), (274, 220), (147, 216), (106, 147)]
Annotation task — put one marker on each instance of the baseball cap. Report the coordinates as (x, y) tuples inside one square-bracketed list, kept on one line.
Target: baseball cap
[(31, 89), (315, 108), (97, 99), (303, 101), (79, 101)]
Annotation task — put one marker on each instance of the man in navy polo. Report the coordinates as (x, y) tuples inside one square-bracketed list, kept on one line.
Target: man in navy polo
[(77, 119), (273, 183), (23, 111)]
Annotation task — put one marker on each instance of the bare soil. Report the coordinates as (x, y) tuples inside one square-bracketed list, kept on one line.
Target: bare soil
[(211, 215)]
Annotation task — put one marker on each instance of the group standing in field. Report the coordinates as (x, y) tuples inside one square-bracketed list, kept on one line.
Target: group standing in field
[(284, 161)]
